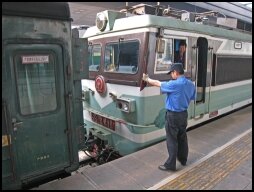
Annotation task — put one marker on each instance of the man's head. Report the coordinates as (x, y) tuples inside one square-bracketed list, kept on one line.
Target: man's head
[(182, 46), (176, 69)]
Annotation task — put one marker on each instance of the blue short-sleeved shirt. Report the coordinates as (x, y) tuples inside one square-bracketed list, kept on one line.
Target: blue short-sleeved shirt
[(179, 93)]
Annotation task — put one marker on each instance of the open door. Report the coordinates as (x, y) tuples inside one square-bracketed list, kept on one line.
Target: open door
[(201, 53)]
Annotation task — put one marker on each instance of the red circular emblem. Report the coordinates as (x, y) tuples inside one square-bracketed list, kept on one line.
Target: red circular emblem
[(100, 84)]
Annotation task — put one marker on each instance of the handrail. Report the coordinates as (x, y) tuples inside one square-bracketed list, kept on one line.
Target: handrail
[(196, 79), (210, 83)]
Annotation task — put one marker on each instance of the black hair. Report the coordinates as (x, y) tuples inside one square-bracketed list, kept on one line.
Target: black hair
[(182, 42)]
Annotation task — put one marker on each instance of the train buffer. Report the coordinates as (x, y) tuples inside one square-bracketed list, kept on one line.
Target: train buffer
[(220, 157)]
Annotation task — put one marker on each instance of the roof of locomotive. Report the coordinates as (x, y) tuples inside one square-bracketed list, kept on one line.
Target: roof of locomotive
[(147, 20)]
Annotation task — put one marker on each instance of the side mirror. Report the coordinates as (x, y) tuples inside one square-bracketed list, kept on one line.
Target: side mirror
[(160, 45)]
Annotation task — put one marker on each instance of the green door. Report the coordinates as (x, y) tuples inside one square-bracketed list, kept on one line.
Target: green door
[(38, 112)]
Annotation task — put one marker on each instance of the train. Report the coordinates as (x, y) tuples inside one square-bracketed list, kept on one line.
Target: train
[(69, 98), (41, 92), (120, 108)]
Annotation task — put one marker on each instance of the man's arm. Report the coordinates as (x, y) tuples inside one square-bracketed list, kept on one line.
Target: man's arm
[(152, 82)]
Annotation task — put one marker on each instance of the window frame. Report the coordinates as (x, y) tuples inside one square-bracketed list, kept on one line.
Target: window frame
[(116, 43), (52, 58), (173, 38)]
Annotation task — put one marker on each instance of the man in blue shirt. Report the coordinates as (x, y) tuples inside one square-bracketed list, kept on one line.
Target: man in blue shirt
[(180, 91)]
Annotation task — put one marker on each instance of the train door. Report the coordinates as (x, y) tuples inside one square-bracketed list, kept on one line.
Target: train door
[(39, 132), (201, 103)]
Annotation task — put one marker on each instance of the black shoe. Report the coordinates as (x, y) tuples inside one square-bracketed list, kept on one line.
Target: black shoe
[(163, 168), (183, 163)]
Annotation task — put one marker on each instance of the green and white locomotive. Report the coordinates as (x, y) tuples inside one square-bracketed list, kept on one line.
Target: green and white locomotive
[(120, 110)]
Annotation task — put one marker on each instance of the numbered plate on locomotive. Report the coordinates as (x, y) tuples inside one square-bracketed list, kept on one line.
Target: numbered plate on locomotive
[(106, 122)]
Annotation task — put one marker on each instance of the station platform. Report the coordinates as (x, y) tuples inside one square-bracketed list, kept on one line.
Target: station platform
[(220, 157)]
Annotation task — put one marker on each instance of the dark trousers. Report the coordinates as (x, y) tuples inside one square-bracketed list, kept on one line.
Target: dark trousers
[(177, 143)]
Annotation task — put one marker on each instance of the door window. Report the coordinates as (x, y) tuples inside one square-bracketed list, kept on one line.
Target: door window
[(36, 83), (175, 51), (164, 60)]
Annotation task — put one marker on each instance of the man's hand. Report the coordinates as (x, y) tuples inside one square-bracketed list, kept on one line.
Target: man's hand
[(145, 77), (152, 82)]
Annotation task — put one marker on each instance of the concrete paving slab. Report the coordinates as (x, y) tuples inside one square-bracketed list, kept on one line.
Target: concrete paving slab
[(108, 177)]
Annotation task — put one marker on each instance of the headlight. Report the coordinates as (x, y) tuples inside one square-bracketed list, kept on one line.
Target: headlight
[(101, 21), (85, 95), (125, 104), (125, 107)]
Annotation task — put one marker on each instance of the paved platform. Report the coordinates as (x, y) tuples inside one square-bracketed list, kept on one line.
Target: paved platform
[(228, 167), (220, 157)]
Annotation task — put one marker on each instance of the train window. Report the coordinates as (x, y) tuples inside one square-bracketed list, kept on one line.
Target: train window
[(174, 52), (94, 57), (122, 57), (36, 83), (164, 60), (180, 51)]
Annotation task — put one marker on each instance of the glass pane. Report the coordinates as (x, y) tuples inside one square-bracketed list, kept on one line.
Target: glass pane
[(164, 60), (94, 52), (122, 57), (36, 83), (180, 51)]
